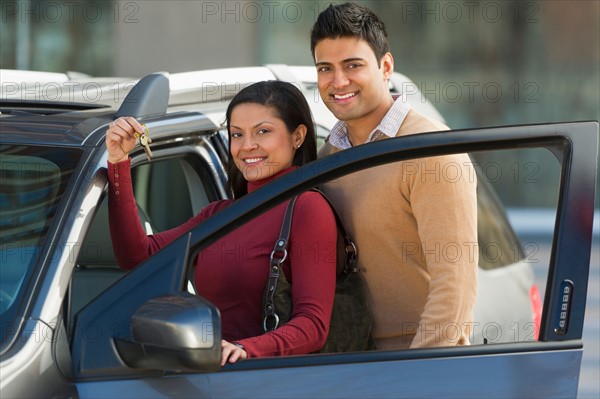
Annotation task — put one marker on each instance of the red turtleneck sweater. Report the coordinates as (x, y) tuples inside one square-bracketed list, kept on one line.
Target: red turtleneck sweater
[(232, 272)]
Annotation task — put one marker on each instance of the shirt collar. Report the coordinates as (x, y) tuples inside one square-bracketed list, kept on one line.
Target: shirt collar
[(389, 125)]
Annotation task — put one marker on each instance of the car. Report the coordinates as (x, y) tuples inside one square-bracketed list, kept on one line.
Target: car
[(83, 328)]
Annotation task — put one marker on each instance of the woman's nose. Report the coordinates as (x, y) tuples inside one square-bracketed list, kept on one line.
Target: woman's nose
[(249, 143)]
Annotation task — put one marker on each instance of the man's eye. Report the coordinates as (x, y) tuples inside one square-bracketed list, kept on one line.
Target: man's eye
[(352, 66), (323, 69)]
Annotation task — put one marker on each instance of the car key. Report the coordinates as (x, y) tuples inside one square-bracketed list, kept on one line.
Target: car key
[(145, 141)]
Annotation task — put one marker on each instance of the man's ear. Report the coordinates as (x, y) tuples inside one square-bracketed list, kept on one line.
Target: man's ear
[(298, 135), (387, 65)]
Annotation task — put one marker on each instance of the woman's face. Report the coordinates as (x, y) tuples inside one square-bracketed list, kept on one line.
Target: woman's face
[(260, 143)]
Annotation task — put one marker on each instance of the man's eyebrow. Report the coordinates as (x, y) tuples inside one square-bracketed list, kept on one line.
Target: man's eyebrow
[(343, 61), (353, 59)]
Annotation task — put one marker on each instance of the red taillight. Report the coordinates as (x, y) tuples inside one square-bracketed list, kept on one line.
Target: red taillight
[(536, 309)]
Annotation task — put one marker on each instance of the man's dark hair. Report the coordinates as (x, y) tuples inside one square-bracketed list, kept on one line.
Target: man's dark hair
[(350, 20)]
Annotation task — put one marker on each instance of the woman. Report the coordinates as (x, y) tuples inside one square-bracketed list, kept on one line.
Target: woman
[(270, 134)]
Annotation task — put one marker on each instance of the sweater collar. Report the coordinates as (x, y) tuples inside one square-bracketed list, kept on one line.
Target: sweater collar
[(389, 125), (256, 184)]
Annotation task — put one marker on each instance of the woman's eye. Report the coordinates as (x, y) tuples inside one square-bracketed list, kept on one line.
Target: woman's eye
[(261, 131), (235, 135)]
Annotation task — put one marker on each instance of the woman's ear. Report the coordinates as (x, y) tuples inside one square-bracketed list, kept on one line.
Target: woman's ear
[(298, 136)]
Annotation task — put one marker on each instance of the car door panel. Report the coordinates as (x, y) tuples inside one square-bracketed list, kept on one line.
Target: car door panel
[(384, 374), (518, 369)]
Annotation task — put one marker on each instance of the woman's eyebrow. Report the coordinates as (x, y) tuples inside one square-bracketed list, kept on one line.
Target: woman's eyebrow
[(253, 127)]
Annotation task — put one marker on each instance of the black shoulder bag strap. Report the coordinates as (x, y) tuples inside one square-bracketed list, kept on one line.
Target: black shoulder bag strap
[(350, 264), (279, 254)]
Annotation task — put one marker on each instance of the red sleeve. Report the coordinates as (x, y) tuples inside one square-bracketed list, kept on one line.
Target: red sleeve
[(130, 242), (312, 250)]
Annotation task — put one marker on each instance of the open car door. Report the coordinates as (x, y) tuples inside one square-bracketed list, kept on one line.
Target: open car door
[(111, 360)]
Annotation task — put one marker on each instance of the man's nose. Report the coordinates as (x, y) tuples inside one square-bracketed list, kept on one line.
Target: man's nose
[(339, 79)]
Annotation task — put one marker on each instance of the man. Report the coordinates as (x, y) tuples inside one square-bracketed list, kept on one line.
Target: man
[(415, 222)]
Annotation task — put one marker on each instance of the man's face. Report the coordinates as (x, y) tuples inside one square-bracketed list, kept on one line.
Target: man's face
[(352, 82)]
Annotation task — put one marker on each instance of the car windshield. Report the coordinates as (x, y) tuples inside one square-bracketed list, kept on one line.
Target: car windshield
[(33, 181)]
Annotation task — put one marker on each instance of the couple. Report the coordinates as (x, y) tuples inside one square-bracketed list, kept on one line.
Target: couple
[(402, 222)]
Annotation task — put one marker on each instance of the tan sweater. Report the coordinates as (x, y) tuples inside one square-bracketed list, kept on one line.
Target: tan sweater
[(415, 224)]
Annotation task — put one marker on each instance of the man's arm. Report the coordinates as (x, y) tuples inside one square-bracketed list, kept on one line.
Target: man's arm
[(444, 202)]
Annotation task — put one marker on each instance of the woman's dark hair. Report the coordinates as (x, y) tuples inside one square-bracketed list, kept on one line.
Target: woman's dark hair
[(350, 20), (290, 106)]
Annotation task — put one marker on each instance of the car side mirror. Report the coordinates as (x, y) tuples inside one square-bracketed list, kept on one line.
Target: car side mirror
[(179, 331)]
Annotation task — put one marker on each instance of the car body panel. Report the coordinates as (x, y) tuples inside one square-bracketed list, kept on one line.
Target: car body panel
[(494, 286)]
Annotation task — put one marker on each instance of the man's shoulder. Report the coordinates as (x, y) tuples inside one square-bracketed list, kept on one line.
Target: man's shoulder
[(419, 123), (327, 149)]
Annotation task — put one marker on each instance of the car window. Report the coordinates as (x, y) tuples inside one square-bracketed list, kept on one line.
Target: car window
[(517, 194), (34, 180), (512, 268)]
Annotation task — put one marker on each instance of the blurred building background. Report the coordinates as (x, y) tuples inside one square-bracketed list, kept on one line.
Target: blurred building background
[(481, 63)]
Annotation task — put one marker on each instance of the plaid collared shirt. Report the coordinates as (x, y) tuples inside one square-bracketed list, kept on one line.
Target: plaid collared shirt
[(389, 125)]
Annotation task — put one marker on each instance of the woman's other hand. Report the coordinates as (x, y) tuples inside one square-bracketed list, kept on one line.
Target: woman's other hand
[(231, 353), (120, 139)]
